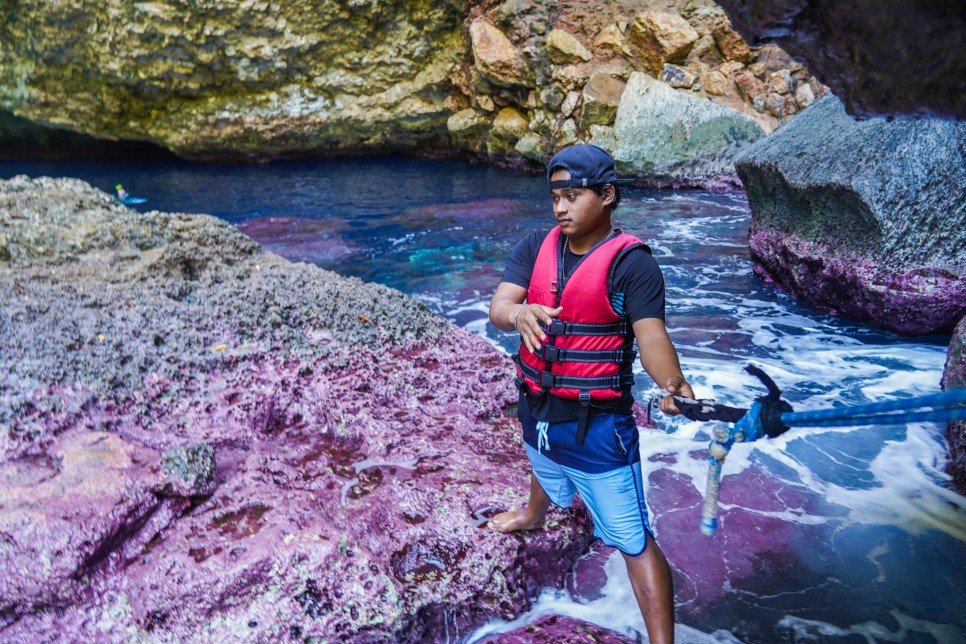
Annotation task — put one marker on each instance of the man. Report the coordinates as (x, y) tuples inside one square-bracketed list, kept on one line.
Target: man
[(579, 296)]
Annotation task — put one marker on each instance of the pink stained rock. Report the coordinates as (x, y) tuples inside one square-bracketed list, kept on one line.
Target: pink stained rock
[(857, 218), (550, 629), (66, 512), (359, 441), (756, 545), (300, 239), (914, 302)]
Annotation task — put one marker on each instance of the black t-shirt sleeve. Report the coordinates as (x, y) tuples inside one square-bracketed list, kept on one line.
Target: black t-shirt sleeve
[(639, 277), (523, 257)]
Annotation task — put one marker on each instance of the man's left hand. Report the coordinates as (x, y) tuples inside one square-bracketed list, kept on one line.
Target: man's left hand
[(675, 386)]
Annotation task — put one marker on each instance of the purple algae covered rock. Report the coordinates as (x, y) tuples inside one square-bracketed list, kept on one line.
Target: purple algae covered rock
[(553, 629), (299, 239), (759, 544), (954, 377), (200, 440), (862, 219)]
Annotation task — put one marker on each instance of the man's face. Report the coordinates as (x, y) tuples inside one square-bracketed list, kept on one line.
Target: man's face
[(579, 211)]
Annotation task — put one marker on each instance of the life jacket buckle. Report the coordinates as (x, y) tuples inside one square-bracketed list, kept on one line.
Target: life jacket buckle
[(551, 353), (554, 286)]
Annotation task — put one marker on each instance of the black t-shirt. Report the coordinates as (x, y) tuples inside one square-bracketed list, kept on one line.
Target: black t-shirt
[(636, 275)]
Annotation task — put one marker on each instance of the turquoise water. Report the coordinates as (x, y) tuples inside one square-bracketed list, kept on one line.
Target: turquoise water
[(860, 539)]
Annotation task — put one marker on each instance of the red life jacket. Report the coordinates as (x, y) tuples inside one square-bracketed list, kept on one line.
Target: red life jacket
[(588, 355)]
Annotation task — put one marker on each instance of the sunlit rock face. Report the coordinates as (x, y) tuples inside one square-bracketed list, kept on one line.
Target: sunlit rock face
[(200, 439), (863, 218), (252, 79), (505, 83), (905, 60)]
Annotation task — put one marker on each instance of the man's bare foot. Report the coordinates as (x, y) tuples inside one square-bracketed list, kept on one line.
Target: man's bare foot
[(514, 520)]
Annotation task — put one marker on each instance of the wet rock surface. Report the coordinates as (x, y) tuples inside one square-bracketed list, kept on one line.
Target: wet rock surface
[(863, 219), (203, 440), (767, 538)]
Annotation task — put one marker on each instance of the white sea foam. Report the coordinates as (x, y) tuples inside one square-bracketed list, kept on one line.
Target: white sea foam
[(813, 630), (616, 609)]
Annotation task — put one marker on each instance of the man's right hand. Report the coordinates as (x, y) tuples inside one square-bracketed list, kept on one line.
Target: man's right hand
[(529, 321)]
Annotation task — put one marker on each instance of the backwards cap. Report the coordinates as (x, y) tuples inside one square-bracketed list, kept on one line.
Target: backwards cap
[(588, 165)]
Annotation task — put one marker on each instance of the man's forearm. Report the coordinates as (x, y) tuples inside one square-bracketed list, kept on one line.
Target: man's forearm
[(504, 314), (660, 360)]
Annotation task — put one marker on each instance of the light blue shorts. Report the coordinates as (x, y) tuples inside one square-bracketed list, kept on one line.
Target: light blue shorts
[(615, 499)]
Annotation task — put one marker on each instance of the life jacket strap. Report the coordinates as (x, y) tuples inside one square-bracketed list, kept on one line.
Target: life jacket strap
[(560, 327), (552, 353), (583, 417), (549, 380)]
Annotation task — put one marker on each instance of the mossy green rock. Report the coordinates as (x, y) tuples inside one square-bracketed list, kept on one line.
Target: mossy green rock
[(259, 79)]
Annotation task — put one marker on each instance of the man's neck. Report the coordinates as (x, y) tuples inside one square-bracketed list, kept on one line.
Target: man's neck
[(582, 245)]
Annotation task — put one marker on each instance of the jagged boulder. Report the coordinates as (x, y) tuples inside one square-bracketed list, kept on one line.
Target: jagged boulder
[(563, 47), (601, 98), (661, 37), (863, 219), (496, 57), (201, 440), (670, 136)]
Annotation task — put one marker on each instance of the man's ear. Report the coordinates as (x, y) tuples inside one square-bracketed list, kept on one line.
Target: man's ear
[(608, 194)]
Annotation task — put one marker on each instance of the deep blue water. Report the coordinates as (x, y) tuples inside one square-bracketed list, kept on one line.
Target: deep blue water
[(894, 537)]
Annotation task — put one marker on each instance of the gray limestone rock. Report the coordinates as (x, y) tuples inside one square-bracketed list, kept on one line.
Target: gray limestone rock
[(863, 218), (665, 134), (193, 465)]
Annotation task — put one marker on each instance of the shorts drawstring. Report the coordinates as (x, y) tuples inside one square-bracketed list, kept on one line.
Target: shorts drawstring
[(542, 439)]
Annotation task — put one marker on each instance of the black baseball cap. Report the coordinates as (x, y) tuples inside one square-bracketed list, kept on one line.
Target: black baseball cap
[(588, 165)]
